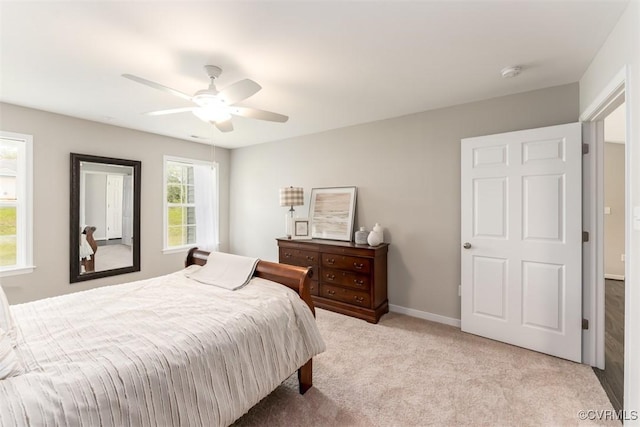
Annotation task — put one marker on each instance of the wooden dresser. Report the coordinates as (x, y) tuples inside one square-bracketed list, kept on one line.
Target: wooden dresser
[(347, 278)]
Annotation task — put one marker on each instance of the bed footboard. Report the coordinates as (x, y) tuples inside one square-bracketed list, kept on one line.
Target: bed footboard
[(296, 278)]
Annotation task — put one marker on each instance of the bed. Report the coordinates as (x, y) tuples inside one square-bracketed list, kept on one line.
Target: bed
[(162, 351)]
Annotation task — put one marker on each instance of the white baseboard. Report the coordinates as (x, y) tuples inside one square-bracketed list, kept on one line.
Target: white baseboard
[(613, 276), (424, 315)]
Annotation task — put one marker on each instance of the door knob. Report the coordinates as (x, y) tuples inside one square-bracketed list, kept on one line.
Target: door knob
[(467, 245)]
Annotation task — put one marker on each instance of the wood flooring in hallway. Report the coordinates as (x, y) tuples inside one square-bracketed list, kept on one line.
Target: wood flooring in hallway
[(612, 377)]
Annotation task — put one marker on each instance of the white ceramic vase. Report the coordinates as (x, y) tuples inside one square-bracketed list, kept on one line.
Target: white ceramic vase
[(375, 237)]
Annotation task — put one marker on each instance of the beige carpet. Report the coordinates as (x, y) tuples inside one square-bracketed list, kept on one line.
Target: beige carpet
[(411, 372), (109, 257)]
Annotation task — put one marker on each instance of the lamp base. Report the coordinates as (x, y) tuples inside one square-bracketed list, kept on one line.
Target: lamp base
[(288, 222)]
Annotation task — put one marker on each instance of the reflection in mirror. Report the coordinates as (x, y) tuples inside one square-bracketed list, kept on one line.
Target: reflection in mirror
[(105, 217)]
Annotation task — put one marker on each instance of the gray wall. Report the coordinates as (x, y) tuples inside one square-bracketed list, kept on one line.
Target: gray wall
[(54, 137), (407, 171), (614, 199)]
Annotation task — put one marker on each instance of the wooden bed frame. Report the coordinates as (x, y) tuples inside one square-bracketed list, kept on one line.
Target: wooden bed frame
[(296, 278)]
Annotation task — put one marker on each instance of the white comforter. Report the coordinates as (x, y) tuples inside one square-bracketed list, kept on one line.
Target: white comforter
[(167, 351)]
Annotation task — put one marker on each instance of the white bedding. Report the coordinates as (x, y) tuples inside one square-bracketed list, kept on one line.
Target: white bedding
[(165, 351)]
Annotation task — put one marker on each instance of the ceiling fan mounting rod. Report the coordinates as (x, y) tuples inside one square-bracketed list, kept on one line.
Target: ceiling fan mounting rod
[(213, 71)]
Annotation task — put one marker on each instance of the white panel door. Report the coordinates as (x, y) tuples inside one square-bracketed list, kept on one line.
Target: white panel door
[(522, 238), (114, 206)]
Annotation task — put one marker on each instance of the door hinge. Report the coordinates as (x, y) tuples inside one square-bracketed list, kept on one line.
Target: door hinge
[(585, 236), (585, 148), (585, 324)]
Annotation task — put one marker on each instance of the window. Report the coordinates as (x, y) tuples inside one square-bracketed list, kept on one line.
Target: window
[(15, 204), (190, 204), (181, 207)]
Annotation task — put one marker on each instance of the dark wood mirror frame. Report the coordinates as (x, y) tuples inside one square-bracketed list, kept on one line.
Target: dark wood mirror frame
[(74, 223)]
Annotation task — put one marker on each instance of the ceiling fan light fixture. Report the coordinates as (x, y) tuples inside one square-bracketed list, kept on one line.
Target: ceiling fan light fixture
[(212, 114), (205, 98)]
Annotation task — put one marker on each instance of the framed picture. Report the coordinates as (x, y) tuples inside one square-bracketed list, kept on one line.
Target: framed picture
[(301, 229), (332, 212)]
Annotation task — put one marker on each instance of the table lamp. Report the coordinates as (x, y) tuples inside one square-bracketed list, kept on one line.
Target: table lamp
[(291, 196)]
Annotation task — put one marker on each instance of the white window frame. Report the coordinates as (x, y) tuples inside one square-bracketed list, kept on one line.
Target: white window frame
[(165, 220), (24, 204)]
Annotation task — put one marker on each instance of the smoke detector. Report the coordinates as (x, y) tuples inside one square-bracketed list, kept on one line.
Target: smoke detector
[(510, 71)]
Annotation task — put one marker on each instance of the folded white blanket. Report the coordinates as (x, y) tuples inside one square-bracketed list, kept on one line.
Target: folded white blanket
[(225, 270)]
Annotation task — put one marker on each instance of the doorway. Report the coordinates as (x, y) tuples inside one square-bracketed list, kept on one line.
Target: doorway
[(612, 376)]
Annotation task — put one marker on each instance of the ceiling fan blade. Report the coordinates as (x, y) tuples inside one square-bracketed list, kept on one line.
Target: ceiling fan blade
[(157, 86), (171, 111), (254, 113), (239, 91), (225, 126)]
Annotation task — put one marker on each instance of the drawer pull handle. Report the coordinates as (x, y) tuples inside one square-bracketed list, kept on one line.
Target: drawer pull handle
[(287, 255), (331, 276), (331, 261), (358, 282), (330, 292), (359, 299), (358, 266), (309, 258)]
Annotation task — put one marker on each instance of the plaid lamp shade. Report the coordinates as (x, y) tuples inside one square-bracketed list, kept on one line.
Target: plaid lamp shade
[(292, 196)]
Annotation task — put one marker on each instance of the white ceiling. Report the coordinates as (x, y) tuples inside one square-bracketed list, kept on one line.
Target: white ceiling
[(325, 64)]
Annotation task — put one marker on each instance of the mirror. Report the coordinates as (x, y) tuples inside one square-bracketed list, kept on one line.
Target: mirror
[(105, 217)]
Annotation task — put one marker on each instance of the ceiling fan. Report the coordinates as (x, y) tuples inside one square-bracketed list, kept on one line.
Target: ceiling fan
[(215, 106)]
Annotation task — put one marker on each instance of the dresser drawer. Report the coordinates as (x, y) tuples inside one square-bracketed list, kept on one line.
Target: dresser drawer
[(345, 295), (357, 264), (298, 257), (346, 278)]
